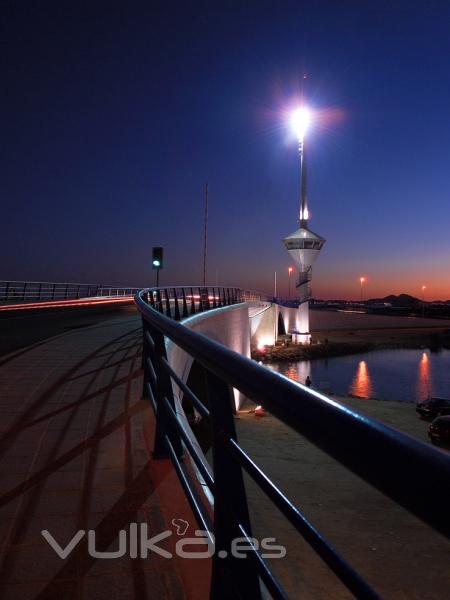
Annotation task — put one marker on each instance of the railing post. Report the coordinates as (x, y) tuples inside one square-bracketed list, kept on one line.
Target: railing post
[(229, 573), (150, 299), (145, 356), (168, 310), (204, 298), (192, 302), (163, 390), (214, 298), (185, 309), (177, 308), (159, 301), (24, 292), (66, 292), (7, 290)]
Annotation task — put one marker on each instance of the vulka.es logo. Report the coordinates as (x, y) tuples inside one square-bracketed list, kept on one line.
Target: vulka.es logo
[(181, 526), (138, 544)]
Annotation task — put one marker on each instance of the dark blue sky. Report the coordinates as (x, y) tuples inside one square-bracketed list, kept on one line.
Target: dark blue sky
[(114, 114)]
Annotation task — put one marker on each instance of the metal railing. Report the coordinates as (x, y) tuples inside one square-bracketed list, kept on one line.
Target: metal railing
[(252, 296), (304, 277), (410, 472), (302, 285), (116, 291), (181, 302), (287, 302), (44, 291), (36, 291)]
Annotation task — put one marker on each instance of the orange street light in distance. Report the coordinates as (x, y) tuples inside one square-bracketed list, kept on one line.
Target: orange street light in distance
[(424, 287), (362, 280), (290, 269)]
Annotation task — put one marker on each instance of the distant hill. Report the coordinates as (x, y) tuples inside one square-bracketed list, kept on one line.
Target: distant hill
[(400, 301), (403, 300)]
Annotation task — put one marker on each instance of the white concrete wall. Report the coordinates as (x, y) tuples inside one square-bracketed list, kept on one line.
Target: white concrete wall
[(235, 327), (263, 317), (228, 325), (297, 319)]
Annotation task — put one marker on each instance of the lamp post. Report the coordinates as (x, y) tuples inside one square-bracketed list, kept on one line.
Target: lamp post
[(290, 271), (362, 280), (424, 287)]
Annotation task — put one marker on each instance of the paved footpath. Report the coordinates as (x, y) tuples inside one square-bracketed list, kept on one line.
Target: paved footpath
[(73, 457)]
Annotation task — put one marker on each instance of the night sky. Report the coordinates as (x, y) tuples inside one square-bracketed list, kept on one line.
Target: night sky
[(114, 114)]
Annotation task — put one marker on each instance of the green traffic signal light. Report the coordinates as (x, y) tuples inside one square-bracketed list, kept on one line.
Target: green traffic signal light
[(157, 257)]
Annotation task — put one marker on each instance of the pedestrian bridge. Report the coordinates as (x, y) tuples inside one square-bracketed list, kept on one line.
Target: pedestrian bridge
[(107, 428)]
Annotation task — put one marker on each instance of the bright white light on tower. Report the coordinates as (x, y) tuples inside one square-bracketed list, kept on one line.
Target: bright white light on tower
[(304, 214), (300, 121)]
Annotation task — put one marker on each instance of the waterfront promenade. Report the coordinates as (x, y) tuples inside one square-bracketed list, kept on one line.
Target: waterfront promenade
[(75, 445)]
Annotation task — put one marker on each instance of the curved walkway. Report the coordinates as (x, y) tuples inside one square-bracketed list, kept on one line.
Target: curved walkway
[(73, 456)]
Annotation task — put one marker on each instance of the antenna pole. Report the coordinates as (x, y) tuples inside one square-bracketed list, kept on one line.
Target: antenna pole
[(304, 213), (303, 187), (205, 246)]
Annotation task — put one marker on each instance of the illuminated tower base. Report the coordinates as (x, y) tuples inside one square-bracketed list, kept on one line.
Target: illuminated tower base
[(301, 335)]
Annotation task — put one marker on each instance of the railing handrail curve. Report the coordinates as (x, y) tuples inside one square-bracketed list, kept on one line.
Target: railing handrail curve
[(298, 407)]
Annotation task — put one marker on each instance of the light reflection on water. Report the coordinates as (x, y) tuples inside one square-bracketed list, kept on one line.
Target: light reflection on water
[(405, 375), (361, 386), (423, 377), (299, 371)]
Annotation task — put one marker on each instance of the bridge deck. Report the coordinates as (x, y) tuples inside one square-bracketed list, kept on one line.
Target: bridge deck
[(73, 456)]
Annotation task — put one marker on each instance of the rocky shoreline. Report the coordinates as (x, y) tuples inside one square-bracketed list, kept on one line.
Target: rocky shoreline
[(298, 352), (328, 347)]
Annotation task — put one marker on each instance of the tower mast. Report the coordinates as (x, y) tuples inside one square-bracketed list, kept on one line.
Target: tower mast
[(304, 214), (205, 235), (303, 245)]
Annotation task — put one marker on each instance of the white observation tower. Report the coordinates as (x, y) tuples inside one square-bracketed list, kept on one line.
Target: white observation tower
[(303, 245)]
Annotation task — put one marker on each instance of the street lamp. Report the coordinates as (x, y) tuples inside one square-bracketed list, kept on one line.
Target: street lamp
[(362, 280), (300, 120), (424, 287), (290, 271)]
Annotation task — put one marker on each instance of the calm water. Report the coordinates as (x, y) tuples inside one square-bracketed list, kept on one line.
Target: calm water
[(406, 375)]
